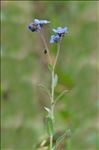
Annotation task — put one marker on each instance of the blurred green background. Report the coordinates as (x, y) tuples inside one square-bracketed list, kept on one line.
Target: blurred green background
[(24, 66)]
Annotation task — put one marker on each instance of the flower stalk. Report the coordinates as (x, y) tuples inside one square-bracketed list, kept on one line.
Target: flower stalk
[(53, 91)]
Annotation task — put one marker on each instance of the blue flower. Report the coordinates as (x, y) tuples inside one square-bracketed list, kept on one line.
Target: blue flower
[(54, 38), (40, 22), (33, 27), (61, 31), (37, 25)]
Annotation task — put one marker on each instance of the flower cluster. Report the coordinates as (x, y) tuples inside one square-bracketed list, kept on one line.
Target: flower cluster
[(59, 33), (36, 25)]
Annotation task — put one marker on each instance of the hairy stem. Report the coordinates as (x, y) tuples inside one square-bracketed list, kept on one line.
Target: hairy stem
[(52, 78), (52, 92), (58, 49)]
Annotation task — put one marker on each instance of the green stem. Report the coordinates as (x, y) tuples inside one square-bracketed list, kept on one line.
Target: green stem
[(51, 142), (53, 76), (58, 49), (52, 108), (52, 92)]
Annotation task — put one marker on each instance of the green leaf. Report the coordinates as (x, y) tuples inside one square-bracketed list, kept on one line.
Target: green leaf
[(55, 80), (50, 67), (60, 95), (50, 128), (45, 89), (61, 138), (54, 147)]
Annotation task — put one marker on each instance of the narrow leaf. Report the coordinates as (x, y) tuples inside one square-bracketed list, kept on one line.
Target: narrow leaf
[(61, 138), (50, 67), (54, 147), (45, 89), (50, 128), (60, 95), (55, 80)]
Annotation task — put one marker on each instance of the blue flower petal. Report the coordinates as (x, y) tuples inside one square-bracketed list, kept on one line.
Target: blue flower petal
[(33, 28), (41, 22), (54, 38), (44, 22), (61, 30), (37, 25), (36, 21)]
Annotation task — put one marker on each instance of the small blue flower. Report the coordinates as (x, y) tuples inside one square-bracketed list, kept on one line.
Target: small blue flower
[(54, 38), (61, 31), (40, 22), (33, 27), (37, 25)]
